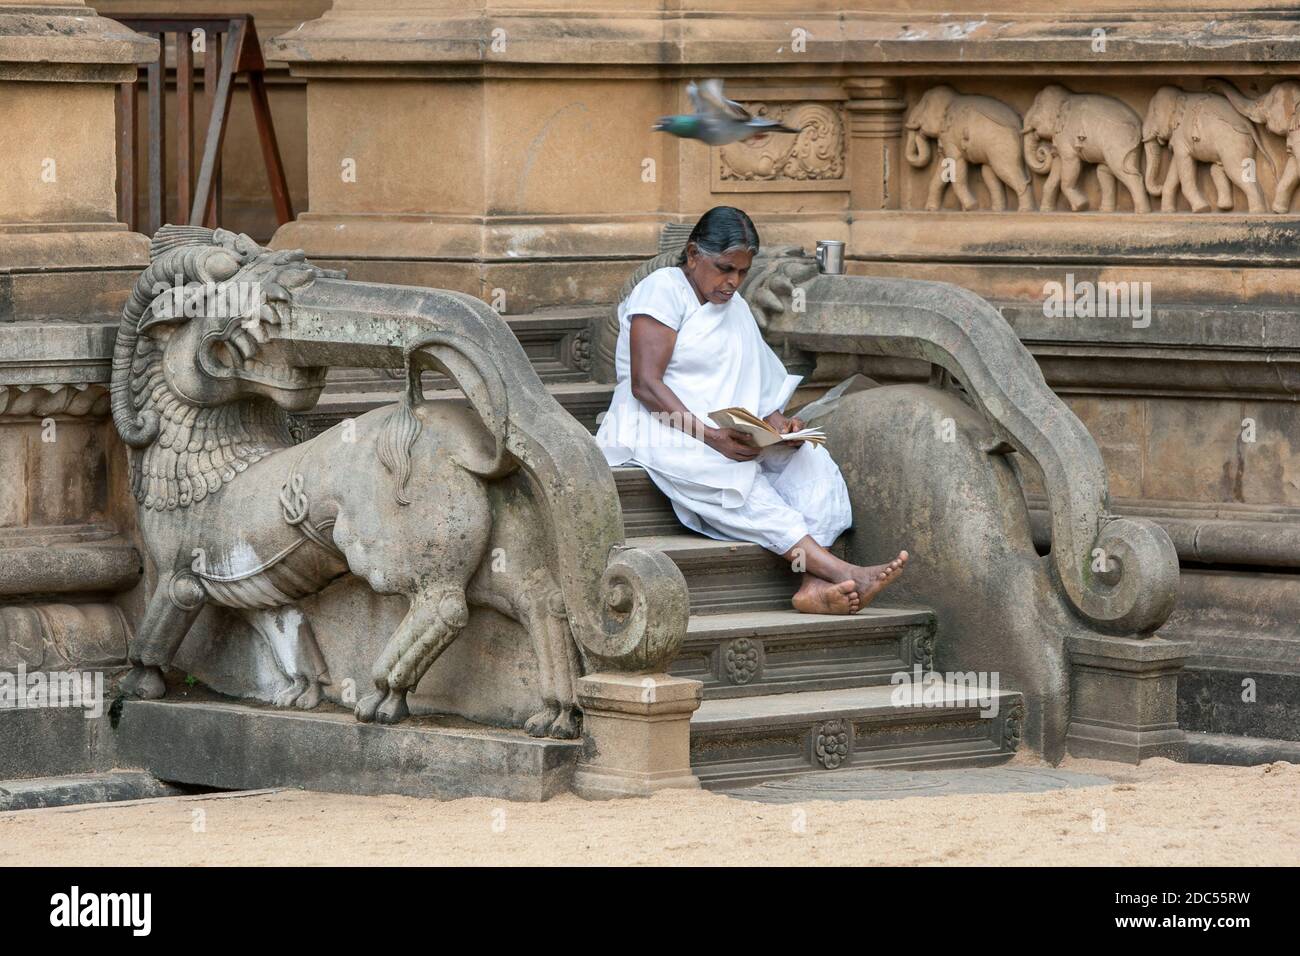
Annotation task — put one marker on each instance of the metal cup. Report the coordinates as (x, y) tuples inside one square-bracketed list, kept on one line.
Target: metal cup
[(830, 257)]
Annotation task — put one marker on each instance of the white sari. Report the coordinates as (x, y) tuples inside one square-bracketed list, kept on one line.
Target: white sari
[(720, 360)]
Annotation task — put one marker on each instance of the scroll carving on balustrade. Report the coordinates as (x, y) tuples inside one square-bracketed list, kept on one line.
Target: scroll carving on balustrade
[(1066, 137), (812, 160)]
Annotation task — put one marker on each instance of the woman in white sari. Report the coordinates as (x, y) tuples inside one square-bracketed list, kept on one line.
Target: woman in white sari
[(687, 345)]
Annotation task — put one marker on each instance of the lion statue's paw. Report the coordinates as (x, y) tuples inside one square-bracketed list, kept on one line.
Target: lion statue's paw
[(565, 726), (389, 708), (302, 693), (539, 725), (555, 721), (143, 682)]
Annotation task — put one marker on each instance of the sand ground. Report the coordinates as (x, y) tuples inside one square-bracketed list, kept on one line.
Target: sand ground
[(1159, 814)]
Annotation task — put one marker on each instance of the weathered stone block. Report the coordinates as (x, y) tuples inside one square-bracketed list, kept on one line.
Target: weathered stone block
[(636, 734), (1123, 697), (241, 747)]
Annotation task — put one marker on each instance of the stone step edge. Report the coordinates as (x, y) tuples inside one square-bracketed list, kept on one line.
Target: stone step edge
[(689, 546), (112, 786), (762, 624), (729, 714)]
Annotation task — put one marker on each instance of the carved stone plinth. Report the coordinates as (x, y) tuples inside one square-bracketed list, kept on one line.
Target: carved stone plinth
[(637, 734), (1123, 698)]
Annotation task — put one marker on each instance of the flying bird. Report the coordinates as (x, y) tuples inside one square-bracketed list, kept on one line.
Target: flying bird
[(717, 120)]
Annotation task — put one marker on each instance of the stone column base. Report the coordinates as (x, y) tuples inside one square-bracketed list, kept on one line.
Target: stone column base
[(1124, 698), (636, 734)]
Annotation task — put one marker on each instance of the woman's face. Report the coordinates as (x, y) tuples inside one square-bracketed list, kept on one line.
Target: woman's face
[(716, 278)]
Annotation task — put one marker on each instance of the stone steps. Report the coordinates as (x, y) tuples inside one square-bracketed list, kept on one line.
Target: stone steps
[(753, 653), (774, 678), (726, 575), (744, 740)]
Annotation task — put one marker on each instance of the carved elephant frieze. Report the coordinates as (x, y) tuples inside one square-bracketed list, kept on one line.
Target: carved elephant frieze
[(1277, 111), (969, 131), (1084, 128), (1201, 128)]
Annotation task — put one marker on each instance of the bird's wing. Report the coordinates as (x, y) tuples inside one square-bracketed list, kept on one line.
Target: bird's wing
[(693, 91), (764, 125), (709, 93), (697, 104)]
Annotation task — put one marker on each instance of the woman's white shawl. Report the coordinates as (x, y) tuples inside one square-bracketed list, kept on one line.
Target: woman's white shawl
[(720, 360)]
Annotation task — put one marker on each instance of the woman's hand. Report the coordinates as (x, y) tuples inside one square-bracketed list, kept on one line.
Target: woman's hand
[(786, 425), (735, 445)]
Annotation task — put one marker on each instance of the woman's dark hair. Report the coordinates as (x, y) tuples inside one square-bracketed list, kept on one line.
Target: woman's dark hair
[(722, 229)]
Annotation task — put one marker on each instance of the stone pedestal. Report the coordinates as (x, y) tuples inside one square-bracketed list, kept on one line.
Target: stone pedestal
[(66, 266), (637, 734), (1123, 698)]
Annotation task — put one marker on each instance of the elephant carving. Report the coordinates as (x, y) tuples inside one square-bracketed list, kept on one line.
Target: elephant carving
[(1201, 128), (1276, 111), (1084, 128), (969, 130)]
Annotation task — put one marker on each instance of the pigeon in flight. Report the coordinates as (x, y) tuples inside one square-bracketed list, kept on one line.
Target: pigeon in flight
[(717, 120)]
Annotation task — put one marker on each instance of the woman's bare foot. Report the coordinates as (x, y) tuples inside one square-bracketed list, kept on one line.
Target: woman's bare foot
[(874, 578), (816, 596)]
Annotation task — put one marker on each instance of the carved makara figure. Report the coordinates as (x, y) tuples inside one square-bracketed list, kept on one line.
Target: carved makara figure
[(1084, 128), (1276, 110), (961, 501), (415, 498), (1201, 128), (969, 130)]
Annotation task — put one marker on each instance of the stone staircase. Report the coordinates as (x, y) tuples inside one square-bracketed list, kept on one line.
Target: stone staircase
[(784, 693), (788, 693)]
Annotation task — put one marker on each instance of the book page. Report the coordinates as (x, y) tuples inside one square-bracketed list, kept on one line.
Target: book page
[(762, 433)]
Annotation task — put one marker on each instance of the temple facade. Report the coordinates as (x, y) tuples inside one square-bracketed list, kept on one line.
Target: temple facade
[(1114, 183)]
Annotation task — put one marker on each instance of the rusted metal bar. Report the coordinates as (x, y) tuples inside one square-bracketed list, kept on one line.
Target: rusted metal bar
[(157, 138), (184, 122), (270, 148)]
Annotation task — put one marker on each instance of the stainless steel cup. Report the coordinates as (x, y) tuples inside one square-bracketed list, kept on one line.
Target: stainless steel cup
[(830, 257)]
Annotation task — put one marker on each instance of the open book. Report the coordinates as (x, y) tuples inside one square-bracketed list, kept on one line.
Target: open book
[(760, 431)]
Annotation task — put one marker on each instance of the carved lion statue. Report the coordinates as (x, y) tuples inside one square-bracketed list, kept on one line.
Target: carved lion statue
[(416, 498)]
